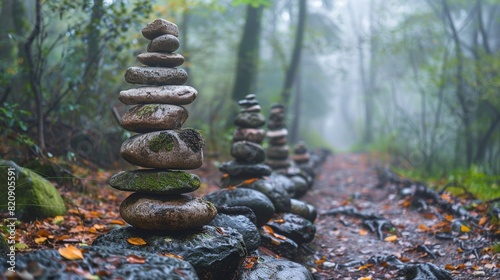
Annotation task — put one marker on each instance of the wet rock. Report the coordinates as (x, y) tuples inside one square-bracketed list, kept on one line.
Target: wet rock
[(165, 44), (160, 27), (243, 225), (235, 168), (248, 152), (278, 152), (258, 202), (179, 95), (155, 75), (293, 226), (280, 133), (154, 117), (300, 186), (107, 262), (214, 253), (278, 164), (155, 181), (267, 267), (249, 120), (169, 149), (425, 271), (284, 182), (303, 209), (166, 212), (279, 244), (156, 59), (249, 134), (251, 109), (276, 193)]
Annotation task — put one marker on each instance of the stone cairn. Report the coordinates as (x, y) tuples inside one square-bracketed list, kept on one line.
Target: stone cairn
[(161, 214), (277, 152), (161, 145), (302, 159)]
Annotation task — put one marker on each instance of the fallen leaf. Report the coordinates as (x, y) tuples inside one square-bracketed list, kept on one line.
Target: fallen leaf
[(136, 241), (483, 221), (135, 259), (423, 228), (172, 256), (71, 253), (464, 228), (117, 222), (366, 266), (58, 220), (62, 237), (448, 217), (249, 181), (363, 232), (391, 238), (40, 240), (43, 233), (365, 278), (449, 267)]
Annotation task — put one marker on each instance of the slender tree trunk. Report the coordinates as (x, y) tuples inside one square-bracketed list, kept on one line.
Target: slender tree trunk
[(33, 76), (297, 49), (248, 54), (296, 110)]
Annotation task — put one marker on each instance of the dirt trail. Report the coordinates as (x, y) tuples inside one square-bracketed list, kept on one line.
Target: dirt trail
[(346, 248)]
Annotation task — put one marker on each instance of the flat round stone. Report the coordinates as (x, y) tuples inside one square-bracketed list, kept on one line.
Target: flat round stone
[(154, 117), (178, 95), (166, 212), (235, 168), (278, 152), (278, 163), (155, 181), (156, 76), (166, 149), (249, 134), (159, 27), (248, 152), (156, 59), (249, 120), (277, 133), (165, 44)]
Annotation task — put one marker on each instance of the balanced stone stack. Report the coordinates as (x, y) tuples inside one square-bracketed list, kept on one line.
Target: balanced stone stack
[(159, 211), (277, 153), (246, 149), (162, 144), (301, 158)]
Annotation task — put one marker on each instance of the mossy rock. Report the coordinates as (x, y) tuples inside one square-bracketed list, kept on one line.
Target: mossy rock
[(156, 181), (35, 197)]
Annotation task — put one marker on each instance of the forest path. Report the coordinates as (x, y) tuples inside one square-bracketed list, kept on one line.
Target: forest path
[(346, 248)]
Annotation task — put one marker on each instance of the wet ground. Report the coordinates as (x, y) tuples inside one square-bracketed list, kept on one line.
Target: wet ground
[(365, 229)]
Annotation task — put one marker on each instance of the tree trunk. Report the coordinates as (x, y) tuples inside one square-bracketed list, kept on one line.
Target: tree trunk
[(248, 54), (294, 133), (297, 49), (34, 79)]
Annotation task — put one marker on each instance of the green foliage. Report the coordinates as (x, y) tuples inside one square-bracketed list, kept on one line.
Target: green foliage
[(11, 119), (253, 3)]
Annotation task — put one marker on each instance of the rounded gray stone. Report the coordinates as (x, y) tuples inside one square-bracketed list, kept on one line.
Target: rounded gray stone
[(156, 59), (277, 133), (247, 152), (166, 212), (278, 163), (255, 200), (243, 225), (165, 44), (249, 120), (235, 168), (303, 209), (159, 27), (154, 117), (166, 149), (249, 134), (275, 192), (278, 152), (268, 267), (155, 181), (177, 95), (293, 226), (155, 75)]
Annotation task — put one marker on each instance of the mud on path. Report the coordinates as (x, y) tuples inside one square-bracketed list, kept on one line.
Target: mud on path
[(351, 203)]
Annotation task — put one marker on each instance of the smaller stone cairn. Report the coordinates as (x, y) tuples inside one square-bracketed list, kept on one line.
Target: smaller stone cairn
[(301, 158), (278, 150)]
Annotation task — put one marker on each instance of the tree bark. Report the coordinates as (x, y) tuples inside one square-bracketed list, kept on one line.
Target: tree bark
[(248, 54), (286, 92), (34, 79)]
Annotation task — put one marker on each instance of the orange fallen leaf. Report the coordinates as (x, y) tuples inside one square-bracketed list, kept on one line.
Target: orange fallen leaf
[(62, 237), (172, 256), (365, 278), (136, 241), (43, 233), (366, 266), (320, 261), (58, 220), (448, 217), (363, 232), (391, 238), (464, 228), (249, 181), (117, 222), (423, 228), (71, 253), (40, 240), (135, 259), (483, 221), (449, 267), (99, 227), (225, 175)]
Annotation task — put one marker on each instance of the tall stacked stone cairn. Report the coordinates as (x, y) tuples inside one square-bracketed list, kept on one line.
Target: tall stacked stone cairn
[(246, 184), (302, 159), (159, 211)]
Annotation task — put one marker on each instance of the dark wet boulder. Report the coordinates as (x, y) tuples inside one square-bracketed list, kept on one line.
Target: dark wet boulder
[(424, 271), (278, 243), (243, 225), (235, 168), (275, 192), (215, 253), (303, 209), (284, 182), (293, 226), (267, 267), (248, 152), (99, 262), (255, 200), (300, 185)]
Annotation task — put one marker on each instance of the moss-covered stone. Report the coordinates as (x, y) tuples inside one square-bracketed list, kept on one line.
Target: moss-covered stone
[(147, 109), (35, 197), (156, 181), (162, 141), (192, 138)]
